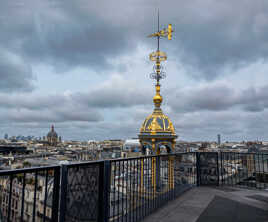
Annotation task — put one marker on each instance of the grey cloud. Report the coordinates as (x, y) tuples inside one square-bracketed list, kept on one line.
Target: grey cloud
[(208, 38), (218, 97), (114, 97), (254, 99), (89, 106), (253, 107), (30, 101), (72, 45), (15, 75), (52, 115), (213, 36), (206, 125), (114, 93), (119, 94), (64, 36)]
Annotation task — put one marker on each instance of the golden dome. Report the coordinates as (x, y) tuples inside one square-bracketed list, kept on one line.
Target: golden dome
[(157, 124)]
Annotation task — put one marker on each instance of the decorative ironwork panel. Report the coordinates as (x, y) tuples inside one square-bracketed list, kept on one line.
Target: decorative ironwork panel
[(82, 193), (208, 168)]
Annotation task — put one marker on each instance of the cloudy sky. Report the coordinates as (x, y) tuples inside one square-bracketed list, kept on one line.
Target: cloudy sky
[(83, 66)]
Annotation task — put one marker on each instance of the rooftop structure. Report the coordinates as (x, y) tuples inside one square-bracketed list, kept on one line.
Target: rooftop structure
[(157, 130)]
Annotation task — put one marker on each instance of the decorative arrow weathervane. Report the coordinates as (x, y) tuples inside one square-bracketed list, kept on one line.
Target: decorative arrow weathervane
[(159, 56)]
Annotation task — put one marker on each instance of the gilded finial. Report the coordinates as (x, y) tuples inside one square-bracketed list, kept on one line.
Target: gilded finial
[(159, 57)]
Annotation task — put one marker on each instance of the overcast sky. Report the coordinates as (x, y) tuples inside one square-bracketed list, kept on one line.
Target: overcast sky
[(83, 66)]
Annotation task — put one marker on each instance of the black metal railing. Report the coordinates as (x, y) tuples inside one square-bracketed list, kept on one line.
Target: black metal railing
[(30, 194), (121, 189), (248, 170), (141, 185)]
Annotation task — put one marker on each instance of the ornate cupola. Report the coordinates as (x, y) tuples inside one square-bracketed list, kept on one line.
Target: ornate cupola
[(157, 130)]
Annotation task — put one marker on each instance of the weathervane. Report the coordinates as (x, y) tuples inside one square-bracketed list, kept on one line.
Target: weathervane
[(159, 56)]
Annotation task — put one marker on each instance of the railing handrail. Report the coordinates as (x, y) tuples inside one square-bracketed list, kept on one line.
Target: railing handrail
[(33, 169), (27, 170), (83, 163), (242, 153), (148, 156)]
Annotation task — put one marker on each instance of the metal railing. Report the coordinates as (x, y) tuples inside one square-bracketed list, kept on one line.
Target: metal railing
[(121, 189), (30, 194), (248, 170), (141, 185)]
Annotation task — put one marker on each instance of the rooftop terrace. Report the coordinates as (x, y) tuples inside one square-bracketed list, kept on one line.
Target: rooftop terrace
[(210, 204)]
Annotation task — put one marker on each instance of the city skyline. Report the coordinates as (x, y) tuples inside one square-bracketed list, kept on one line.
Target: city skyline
[(84, 67)]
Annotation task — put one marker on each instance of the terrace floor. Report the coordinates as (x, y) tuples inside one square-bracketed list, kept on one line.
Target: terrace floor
[(215, 204)]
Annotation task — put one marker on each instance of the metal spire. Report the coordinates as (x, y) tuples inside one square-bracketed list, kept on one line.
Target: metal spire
[(158, 37)]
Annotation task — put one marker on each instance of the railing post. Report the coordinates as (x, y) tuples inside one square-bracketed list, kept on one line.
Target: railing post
[(63, 192), (221, 171), (218, 171), (197, 169), (56, 189), (9, 198), (158, 173), (106, 190)]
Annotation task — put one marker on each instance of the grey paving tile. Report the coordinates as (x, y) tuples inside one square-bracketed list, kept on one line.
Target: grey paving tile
[(189, 206), (259, 197), (223, 209)]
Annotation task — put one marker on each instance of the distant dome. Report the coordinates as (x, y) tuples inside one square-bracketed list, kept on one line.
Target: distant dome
[(52, 137), (52, 133)]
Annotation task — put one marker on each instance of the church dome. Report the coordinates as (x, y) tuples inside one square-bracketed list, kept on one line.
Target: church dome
[(52, 133)]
